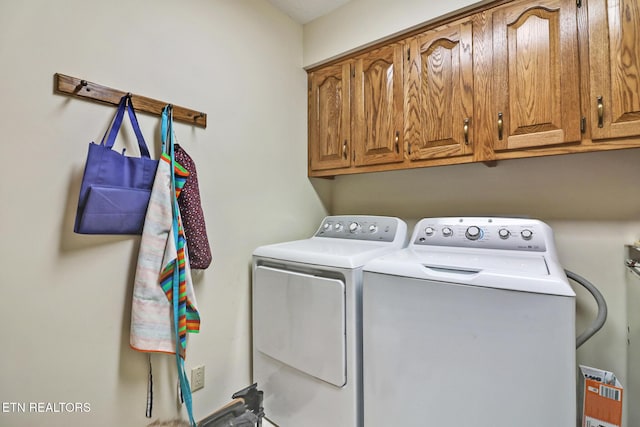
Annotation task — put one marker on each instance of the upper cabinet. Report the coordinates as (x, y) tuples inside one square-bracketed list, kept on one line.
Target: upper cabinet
[(535, 74), (503, 80), (330, 117), (438, 97), (614, 51), (377, 107)]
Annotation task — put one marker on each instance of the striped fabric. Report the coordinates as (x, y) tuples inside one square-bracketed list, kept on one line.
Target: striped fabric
[(188, 317), (152, 305)]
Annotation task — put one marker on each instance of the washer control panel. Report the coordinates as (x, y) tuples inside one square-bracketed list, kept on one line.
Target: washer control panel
[(487, 233), (360, 227)]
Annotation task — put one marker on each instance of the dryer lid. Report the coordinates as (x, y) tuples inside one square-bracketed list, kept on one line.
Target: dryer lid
[(326, 252), (346, 241)]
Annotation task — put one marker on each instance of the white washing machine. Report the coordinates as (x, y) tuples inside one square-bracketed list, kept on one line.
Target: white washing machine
[(307, 311), (473, 324)]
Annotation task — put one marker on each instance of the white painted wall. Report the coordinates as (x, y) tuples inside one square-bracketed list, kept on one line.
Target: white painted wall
[(588, 199), (65, 304)]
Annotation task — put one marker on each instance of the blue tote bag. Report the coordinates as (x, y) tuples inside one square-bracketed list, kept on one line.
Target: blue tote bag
[(115, 188)]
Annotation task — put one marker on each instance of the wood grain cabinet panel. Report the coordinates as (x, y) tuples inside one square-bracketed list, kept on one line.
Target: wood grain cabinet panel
[(508, 79), (330, 117), (438, 99), (614, 50), (378, 119), (536, 76)]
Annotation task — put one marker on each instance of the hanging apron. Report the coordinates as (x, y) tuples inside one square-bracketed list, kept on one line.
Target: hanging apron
[(152, 327)]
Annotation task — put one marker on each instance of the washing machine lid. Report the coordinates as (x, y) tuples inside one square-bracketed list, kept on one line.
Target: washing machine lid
[(505, 263), (510, 270), (327, 252)]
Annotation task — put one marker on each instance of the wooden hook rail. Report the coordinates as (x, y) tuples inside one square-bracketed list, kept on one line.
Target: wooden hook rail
[(85, 89)]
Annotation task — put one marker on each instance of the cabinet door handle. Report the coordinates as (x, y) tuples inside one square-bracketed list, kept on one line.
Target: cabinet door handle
[(344, 149), (397, 141), (466, 131), (600, 112), (500, 126)]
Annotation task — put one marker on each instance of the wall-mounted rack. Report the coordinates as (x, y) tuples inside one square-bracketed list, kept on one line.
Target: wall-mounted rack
[(85, 89)]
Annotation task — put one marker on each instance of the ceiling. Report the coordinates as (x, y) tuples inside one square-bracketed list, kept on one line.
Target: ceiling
[(303, 11)]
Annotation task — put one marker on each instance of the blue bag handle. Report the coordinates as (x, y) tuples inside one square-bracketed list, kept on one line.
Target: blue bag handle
[(166, 129), (125, 103)]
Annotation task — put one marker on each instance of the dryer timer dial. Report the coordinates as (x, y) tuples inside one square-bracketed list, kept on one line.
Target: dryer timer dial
[(526, 234)]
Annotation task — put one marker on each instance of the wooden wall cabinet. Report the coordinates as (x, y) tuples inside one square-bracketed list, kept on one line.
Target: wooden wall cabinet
[(614, 50), (536, 77), (377, 107), (509, 79), (330, 117), (438, 97)]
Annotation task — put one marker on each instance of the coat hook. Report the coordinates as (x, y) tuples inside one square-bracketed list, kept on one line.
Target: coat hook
[(85, 84), (129, 95)]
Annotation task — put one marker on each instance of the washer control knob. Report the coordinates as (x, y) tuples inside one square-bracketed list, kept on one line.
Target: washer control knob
[(373, 228), (326, 226), (354, 227), (447, 232), (473, 233), (526, 234), (338, 226), (504, 233), (429, 231)]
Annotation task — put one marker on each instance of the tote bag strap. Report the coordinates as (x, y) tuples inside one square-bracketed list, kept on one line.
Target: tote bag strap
[(112, 132), (166, 128), (144, 151)]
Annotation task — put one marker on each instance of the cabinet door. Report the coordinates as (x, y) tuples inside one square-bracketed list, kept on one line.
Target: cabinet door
[(439, 93), (536, 79), (330, 117), (378, 111), (614, 45)]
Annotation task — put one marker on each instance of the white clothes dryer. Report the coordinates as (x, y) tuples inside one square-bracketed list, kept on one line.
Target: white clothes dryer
[(307, 328), (473, 324)]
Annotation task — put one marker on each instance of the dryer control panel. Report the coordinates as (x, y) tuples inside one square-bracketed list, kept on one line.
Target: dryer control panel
[(361, 227), (486, 233)]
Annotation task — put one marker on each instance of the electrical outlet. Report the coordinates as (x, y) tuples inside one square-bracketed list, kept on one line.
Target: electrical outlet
[(197, 378)]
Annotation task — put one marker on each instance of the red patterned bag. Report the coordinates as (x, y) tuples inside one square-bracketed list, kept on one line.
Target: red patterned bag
[(192, 215)]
